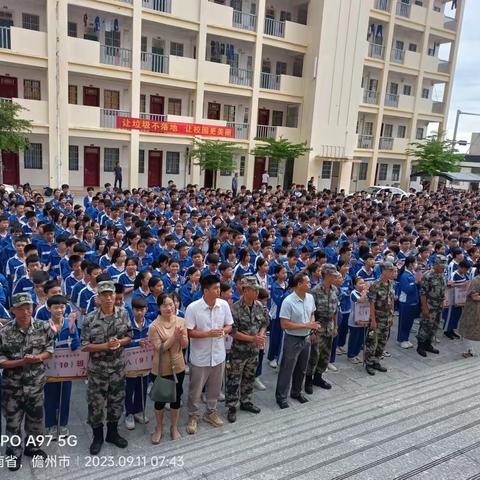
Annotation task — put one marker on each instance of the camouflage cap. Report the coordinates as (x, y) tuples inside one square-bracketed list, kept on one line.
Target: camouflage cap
[(387, 266), (250, 282), (330, 269), (106, 286), (21, 299), (440, 260)]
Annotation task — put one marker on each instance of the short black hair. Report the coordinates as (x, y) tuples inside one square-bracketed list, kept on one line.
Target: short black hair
[(56, 300), (139, 302), (208, 281)]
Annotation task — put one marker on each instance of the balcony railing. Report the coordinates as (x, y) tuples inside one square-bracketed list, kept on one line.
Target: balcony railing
[(5, 100), (159, 5), (241, 130), (386, 143), (5, 39), (403, 9), (241, 76), (391, 100), (371, 97), (126, 1), (382, 5), (270, 81), (397, 55), (265, 131), (121, 57), (443, 66), (156, 117), (365, 141), (155, 62), (274, 27), (375, 50), (108, 117), (247, 21)]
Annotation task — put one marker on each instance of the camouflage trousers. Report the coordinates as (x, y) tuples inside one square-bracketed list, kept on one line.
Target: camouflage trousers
[(428, 326), (105, 390), (19, 402), (376, 341), (241, 370), (320, 352)]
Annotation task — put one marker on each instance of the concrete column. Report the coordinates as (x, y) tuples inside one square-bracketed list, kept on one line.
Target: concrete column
[(345, 175)]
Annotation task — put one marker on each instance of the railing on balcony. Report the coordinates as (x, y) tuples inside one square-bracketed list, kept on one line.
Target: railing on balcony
[(397, 55), (403, 9), (365, 141), (382, 5), (386, 143), (241, 76), (5, 39), (156, 117), (443, 66), (391, 100), (270, 81), (241, 130), (375, 50), (159, 5), (450, 23), (265, 131), (273, 27), (125, 1), (121, 57), (155, 62), (5, 100), (438, 107), (108, 117), (247, 21), (371, 97)]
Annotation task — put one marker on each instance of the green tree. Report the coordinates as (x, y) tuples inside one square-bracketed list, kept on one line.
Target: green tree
[(280, 149), (13, 130), (214, 155)]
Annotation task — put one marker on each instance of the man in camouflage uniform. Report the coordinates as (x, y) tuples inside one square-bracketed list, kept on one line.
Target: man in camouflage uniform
[(104, 334), (382, 301), (249, 326), (24, 345), (432, 296), (326, 303)]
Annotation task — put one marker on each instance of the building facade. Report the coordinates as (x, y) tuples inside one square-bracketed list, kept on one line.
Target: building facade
[(357, 80)]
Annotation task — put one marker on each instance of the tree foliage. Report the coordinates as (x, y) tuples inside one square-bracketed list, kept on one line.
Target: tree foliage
[(13, 130), (215, 154), (279, 149)]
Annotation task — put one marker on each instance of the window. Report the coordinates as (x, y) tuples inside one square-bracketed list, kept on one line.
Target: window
[(419, 134), (174, 106), (395, 173), (281, 68), (326, 169), (141, 161), (277, 118), (368, 128), (176, 49), (143, 44), (72, 94), (112, 39), (362, 171), (111, 157), (111, 99), (31, 89), (401, 131), (407, 90), (32, 157), (273, 168), (72, 29), (387, 130), (382, 171), (143, 98), (30, 22), (373, 84), (242, 166), (425, 92), (73, 157), (173, 163), (412, 47), (229, 113)]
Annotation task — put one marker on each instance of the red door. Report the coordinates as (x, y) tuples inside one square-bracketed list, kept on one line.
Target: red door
[(154, 169), (8, 87), (91, 166), (157, 105), (91, 96), (263, 116), (258, 171), (11, 169)]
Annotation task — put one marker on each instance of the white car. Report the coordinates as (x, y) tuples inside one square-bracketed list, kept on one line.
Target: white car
[(377, 189), (8, 188)]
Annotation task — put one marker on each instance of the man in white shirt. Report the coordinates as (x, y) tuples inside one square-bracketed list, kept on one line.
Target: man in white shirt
[(265, 178), (208, 320)]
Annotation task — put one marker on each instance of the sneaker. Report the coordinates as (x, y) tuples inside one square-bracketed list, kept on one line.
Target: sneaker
[(259, 385), (221, 397), (341, 351), (187, 369), (436, 339), (410, 344), (52, 431), (204, 397), (139, 418), (213, 419), (273, 363), (130, 422), (387, 354), (332, 367), (64, 431), (192, 425), (405, 345)]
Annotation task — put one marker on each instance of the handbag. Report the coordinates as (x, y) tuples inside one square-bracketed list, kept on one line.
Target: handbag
[(164, 390)]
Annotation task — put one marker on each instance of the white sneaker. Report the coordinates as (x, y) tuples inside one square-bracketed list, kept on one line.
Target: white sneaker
[(221, 397), (273, 363), (405, 345), (204, 397), (64, 431), (437, 340), (130, 422), (410, 344), (259, 385), (187, 369), (52, 431), (387, 354), (332, 367), (139, 418)]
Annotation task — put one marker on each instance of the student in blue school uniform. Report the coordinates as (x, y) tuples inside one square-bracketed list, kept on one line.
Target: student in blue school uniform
[(172, 280), (118, 264), (66, 336), (357, 330), (127, 278), (408, 300), (344, 308), (136, 387), (264, 297), (191, 291)]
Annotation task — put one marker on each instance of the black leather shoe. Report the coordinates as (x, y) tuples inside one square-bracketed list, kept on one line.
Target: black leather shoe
[(14, 461), (421, 350), (114, 437), (449, 335), (97, 442), (370, 370), (34, 452), (283, 404), (232, 415), (317, 379), (430, 348), (249, 407), (309, 384), (300, 398), (379, 367)]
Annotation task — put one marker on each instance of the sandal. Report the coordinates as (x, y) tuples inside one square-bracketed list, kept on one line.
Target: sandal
[(355, 360), (467, 354)]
